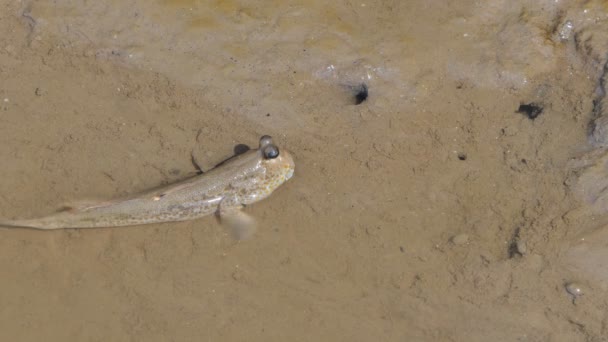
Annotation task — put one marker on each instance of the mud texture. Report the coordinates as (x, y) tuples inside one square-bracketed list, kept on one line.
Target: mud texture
[(432, 209)]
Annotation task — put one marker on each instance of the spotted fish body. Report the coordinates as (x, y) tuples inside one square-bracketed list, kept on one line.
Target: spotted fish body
[(242, 180)]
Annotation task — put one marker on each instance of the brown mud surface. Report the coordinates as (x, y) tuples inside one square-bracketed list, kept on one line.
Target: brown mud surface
[(432, 211)]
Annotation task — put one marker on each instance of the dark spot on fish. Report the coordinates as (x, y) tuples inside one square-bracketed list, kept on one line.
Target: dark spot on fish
[(241, 148), (462, 156), (531, 110)]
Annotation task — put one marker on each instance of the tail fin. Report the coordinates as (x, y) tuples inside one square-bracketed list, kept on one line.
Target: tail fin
[(31, 224), (57, 220)]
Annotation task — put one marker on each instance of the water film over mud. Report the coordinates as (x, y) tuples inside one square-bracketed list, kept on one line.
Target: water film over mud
[(450, 169)]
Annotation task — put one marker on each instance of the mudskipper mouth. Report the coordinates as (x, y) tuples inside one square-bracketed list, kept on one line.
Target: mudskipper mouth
[(289, 174)]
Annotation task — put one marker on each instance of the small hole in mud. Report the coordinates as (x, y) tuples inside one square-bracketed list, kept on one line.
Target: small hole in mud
[(531, 110), (462, 156), (361, 93)]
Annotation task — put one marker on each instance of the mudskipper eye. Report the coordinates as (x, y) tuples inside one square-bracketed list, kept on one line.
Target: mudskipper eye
[(270, 152), (265, 140)]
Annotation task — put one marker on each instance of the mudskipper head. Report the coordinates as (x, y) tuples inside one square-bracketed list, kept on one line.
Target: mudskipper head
[(279, 164), (259, 172), (273, 167)]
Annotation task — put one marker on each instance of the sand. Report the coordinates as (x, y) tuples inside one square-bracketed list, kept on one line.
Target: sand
[(431, 211)]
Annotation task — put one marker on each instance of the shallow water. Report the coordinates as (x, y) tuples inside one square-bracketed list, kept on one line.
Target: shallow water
[(100, 99)]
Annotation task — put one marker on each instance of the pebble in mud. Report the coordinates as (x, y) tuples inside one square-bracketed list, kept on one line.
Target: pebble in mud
[(521, 247), (460, 239), (565, 32), (574, 289)]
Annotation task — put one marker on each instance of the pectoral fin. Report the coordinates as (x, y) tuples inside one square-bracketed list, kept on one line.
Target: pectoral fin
[(240, 225)]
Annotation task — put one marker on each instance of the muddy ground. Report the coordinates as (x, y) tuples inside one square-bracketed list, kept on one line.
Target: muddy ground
[(432, 211)]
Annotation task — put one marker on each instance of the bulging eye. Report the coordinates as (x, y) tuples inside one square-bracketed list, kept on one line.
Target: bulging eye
[(265, 140), (270, 152)]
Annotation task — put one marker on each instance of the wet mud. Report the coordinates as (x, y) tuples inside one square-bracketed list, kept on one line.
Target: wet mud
[(450, 169)]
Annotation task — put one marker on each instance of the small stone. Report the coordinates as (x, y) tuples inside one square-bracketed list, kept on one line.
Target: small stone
[(460, 239), (575, 289), (565, 32), (521, 247)]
